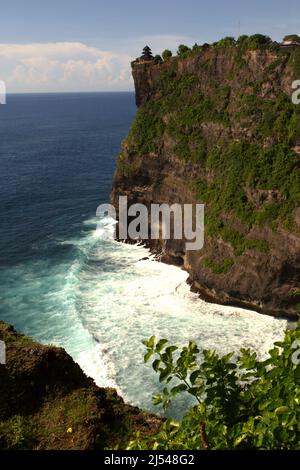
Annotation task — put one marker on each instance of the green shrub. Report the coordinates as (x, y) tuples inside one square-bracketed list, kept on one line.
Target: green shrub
[(254, 42), (294, 62), (228, 41), (183, 49), (219, 267), (157, 59), (241, 402), (166, 55)]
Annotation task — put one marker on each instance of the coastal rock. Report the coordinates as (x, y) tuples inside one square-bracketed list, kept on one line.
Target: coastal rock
[(48, 403), (254, 264)]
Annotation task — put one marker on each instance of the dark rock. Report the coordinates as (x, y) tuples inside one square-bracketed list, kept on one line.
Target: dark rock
[(47, 402)]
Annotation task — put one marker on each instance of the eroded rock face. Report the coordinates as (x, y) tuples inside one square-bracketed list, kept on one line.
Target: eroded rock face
[(263, 278)]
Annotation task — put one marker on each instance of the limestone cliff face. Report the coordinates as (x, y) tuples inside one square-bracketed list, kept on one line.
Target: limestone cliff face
[(219, 127)]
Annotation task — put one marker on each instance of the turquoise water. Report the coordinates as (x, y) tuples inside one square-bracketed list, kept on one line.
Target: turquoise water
[(66, 283)]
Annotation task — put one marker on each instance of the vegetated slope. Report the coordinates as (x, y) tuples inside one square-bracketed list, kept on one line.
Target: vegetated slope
[(217, 126), (47, 402)]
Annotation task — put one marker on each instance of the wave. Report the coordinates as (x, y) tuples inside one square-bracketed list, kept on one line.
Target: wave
[(102, 298)]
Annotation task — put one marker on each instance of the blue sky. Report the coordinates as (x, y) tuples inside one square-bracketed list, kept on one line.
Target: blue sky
[(76, 45)]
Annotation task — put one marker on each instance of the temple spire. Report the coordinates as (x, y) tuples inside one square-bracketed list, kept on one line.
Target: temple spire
[(147, 53)]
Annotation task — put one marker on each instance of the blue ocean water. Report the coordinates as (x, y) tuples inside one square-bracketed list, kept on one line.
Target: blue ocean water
[(61, 281)]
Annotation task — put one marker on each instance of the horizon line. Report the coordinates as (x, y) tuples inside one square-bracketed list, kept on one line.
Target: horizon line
[(64, 92)]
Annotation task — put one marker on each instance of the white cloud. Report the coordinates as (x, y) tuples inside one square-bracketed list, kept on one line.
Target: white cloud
[(63, 66), (75, 66)]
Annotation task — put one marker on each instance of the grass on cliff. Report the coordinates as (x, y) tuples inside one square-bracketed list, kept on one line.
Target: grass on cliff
[(47, 403)]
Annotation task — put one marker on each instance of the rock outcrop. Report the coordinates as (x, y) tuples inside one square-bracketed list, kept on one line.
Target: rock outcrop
[(47, 402), (218, 126)]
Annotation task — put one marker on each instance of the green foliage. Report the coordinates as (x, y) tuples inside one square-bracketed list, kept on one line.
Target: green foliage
[(147, 128), (254, 42), (17, 431), (228, 41), (242, 40), (271, 118), (166, 55), (196, 48), (274, 65), (263, 159), (183, 50), (216, 227), (219, 267), (294, 61), (241, 402), (157, 59), (246, 165)]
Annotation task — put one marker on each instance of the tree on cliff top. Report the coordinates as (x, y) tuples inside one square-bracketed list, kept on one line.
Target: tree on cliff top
[(167, 54), (158, 59), (182, 49)]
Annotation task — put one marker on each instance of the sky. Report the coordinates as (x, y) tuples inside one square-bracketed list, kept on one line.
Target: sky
[(87, 45)]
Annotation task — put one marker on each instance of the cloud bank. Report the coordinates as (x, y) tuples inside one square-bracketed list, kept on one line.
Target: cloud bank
[(63, 66), (75, 66)]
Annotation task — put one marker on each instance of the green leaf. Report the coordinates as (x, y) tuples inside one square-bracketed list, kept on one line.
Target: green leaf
[(149, 343), (157, 399), (239, 440), (164, 373), (170, 350), (161, 343), (156, 365), (194, 391), (178, 389), (148, 355), (281, 410), (194, 376), (297, 372)]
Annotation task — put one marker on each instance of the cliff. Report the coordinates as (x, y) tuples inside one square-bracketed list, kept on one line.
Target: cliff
[(47, 402), (218, 126)]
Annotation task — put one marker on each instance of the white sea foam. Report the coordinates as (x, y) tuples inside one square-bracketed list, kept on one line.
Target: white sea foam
[(123, 299), (97, 364), (101, 301)]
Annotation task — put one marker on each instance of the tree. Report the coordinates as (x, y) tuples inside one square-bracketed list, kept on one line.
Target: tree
[(242, 39), (256, 41), (158, 59), (228, 41), (167, 54), (182, 49)]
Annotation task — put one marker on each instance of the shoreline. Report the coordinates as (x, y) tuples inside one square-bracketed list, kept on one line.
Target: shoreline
[(210, 295)]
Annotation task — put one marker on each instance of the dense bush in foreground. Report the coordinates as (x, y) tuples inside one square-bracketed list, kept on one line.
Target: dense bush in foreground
[(240, 402)]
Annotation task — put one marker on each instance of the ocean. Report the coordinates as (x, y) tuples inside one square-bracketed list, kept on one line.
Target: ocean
[(64, 282)]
